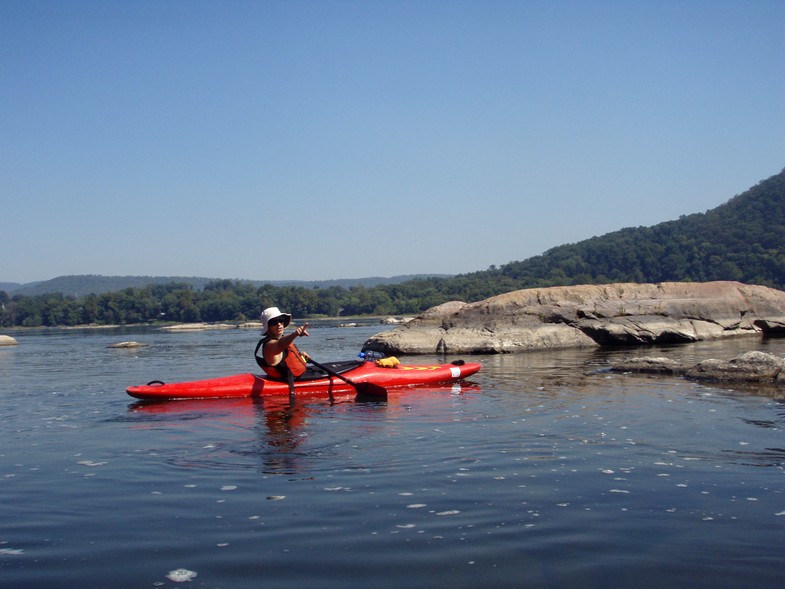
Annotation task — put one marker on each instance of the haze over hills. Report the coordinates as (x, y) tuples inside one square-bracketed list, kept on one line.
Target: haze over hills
[(81, 285), (742, 239)]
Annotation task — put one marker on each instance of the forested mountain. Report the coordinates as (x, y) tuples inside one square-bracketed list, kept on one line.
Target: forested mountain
[(743, 239)]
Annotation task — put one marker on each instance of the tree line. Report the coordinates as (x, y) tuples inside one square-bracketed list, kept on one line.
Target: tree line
[(743, 240), (220, 300)]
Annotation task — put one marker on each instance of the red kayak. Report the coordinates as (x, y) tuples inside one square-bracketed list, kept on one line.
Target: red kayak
[(367, 376)]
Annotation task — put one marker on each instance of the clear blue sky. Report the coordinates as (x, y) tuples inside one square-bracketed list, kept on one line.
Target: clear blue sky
[(340, 139)]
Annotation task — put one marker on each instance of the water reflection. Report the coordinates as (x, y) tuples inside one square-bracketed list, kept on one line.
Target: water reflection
[(581, 370), (278, 425), (282, 442)]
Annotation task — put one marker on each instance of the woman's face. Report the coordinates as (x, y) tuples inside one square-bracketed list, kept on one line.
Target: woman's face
[(275, 327)]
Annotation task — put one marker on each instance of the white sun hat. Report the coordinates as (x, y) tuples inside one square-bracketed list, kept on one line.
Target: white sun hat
[(272, 313)]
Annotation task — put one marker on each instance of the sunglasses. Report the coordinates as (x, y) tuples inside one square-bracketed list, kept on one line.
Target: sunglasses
[(276, 321)]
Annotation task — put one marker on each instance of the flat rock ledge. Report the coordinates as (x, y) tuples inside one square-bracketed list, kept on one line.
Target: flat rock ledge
[(750, 367), (7, 340), (125, 345), (590, 316), (197, 326)]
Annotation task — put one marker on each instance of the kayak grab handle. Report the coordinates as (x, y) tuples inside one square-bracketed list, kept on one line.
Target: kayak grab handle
[(156, 383)]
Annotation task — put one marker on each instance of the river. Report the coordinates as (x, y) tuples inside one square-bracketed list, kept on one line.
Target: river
[(542, 471)]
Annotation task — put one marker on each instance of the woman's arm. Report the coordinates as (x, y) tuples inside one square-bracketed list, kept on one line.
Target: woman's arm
[(273, 350)]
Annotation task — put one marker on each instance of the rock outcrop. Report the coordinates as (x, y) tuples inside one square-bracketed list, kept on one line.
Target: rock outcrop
[(7, 340), (590, 316), (750, 367)]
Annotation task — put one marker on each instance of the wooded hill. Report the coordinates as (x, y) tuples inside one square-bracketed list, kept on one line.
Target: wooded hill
[(743, 239)]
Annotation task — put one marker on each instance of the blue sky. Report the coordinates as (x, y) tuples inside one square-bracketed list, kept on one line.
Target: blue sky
[(342, 139)]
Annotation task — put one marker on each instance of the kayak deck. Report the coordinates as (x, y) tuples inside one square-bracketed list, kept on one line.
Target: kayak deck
[(254, 385)]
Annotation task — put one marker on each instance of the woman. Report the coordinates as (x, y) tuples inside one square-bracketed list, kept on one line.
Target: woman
[(279, 357)]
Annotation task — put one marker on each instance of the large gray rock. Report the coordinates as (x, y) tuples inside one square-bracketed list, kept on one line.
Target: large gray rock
[(590, 315)]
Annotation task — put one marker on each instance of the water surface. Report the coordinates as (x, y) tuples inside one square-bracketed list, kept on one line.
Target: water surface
[(542, 471)]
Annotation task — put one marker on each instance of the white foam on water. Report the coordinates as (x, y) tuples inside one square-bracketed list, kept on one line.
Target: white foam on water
[(92, 463), (181, 575)]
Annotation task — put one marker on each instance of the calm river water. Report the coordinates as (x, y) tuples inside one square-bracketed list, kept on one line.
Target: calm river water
[(542, 472)]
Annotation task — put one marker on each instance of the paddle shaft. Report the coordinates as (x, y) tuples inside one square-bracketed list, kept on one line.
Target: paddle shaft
[(332, 372), (360, 387)]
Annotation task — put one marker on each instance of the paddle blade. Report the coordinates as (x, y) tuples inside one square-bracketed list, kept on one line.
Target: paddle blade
[(370, 390)]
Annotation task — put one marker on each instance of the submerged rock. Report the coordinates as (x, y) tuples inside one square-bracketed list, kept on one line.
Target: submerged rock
[(651, 366), (7, 340), (590, 316)]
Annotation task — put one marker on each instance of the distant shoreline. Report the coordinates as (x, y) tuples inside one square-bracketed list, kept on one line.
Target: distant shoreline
[(353, 321)]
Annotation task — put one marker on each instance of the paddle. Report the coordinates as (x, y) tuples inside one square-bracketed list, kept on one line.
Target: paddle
[(362, 388)]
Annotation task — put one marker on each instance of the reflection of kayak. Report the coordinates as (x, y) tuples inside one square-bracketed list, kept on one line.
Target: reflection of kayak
[(254, 385), (241, 409)]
